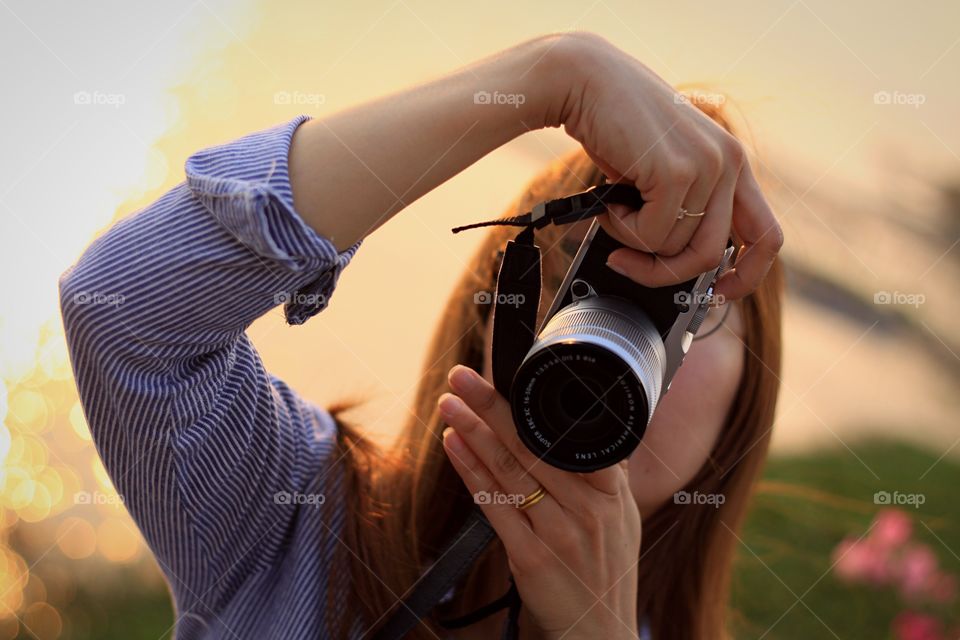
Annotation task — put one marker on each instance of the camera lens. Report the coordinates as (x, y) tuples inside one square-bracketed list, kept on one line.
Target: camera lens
[(584, 394), (580, 400)]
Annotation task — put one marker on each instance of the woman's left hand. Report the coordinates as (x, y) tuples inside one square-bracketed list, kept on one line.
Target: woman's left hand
[(573, 554)]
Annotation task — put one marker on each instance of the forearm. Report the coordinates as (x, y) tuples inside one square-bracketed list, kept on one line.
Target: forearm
[(354, 170)]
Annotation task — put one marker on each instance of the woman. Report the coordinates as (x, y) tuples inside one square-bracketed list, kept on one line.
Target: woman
[(273, 518)]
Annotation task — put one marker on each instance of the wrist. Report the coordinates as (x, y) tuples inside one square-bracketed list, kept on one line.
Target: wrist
[(566, 63), (549, 77)]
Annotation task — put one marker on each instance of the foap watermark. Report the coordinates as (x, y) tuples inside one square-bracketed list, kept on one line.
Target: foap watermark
[(899, 499), (299, 98), (295, 497), (713, 499), (295, 297), (99, 298), (97, 497), (512, 299), (99, 98), (899, 298), (899, 98), (687, 299), (498, 497), (700, 98), (512, 99)]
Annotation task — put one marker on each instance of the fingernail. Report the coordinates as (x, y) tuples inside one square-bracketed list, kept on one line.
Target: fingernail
[(452, 441), (462, 378), (614, 266), (449, 405)]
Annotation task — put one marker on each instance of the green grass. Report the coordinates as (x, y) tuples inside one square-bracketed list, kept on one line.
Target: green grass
[(810, 503)]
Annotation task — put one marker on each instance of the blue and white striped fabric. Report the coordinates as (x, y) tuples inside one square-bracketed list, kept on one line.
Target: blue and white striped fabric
[(220, 464)]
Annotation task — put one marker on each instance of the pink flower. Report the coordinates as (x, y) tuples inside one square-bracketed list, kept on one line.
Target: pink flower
[(860, 561), (918, 571), (849, 560), (891, 528), (909, 625)]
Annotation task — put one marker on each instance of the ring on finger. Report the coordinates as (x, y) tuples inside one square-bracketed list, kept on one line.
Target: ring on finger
[(686, 214), (532, 499)]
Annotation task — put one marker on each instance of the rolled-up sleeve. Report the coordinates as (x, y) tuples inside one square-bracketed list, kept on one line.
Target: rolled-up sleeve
[(196, 435)]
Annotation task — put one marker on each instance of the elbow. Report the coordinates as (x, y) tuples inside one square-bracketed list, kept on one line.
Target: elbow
[(74, 309), (88, 306)]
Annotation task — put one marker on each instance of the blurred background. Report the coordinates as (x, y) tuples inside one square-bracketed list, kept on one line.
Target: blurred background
[(850, 107)]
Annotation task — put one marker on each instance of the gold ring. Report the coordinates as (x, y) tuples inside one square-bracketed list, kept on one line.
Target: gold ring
[(532, 499)]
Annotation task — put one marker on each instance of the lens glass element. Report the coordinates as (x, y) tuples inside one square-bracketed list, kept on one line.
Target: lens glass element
[(579, 406)]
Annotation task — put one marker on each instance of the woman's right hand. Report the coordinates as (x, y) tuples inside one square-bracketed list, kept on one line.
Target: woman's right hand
[(574, 554), (639, 130)]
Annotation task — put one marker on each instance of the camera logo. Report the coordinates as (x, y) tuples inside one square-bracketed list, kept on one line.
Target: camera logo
[(512, 299), (114, 300), (896, 498), (96, 497), (99, 98), (899, 298), (512, 99), (687, 498), (915, 100), (497, 497), (299, 97), (310, 499), (687, 299), (295, 297), (700, 98)]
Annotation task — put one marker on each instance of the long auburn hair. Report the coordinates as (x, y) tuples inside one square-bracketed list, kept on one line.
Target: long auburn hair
[(404, 504)]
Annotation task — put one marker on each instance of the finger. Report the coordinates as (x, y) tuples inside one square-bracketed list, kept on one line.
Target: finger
[(697, 201), (493, 409), (680, 235), (710, 171), (611, 480), (648, 228), (627, 227), (608, 481), (702, 253), (507, 471), (511, 524), (762, 237)]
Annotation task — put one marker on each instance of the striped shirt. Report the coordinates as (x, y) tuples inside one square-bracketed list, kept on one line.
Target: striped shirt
[(223, 467)]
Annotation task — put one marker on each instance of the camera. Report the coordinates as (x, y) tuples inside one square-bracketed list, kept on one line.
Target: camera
[(605, 354), (583, 386)]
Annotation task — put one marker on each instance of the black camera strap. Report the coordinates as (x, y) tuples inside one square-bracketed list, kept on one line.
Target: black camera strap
[(515, 309), (518, 282), (466, 546), (579, 206)]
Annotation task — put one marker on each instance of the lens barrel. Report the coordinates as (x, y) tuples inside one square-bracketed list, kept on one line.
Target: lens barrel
[(584, 394)]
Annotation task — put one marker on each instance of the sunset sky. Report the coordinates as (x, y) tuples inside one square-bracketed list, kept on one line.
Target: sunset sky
[(104, 101)]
